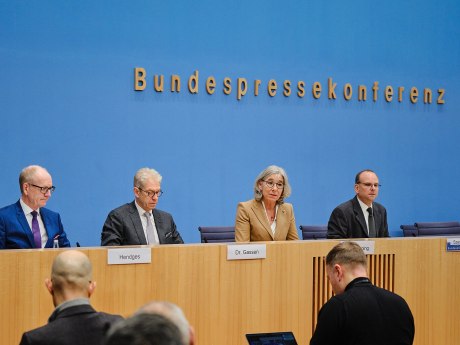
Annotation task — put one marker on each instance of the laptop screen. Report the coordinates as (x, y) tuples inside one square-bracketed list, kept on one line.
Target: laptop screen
[(277, 338)]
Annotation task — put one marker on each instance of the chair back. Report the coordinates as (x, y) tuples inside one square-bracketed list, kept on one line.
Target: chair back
[(409, 230), (438, 229), (215, 234), (313, 232)]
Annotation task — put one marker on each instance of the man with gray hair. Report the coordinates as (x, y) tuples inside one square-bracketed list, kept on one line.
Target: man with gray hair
[(74, 321), (175, 314), (140, 222), (27, 223)]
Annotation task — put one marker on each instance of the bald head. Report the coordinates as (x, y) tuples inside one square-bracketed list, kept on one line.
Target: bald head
[(28, 174), (71, 277), (173, 313)]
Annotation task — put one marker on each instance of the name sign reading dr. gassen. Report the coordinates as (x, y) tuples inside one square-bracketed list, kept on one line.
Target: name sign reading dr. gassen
[(367, 246), (129, 256), (246, 251), (453, 244)]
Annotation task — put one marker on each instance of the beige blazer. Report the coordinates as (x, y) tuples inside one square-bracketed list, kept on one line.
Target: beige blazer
[(251, 223)]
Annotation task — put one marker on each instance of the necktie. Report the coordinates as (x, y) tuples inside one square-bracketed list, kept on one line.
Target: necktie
[(150, 230), (36, 230), (371, 223)]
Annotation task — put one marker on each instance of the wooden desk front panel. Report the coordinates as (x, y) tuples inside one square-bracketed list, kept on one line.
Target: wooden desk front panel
[(224, 300)]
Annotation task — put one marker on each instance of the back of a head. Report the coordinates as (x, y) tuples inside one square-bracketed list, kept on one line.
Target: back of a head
[(71, 270), (171, 312), (144, 329), (347, 253)]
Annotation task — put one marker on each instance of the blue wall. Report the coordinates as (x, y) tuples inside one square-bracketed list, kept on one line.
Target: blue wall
[(67, 103)]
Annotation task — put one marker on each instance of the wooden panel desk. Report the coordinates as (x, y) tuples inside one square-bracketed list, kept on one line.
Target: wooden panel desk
[(224, 300)]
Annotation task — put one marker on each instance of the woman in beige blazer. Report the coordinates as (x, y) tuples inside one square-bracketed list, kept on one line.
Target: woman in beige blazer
[(267, 217)]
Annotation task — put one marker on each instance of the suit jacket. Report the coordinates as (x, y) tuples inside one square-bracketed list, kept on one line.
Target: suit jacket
[(15, 232), (362, 315), (123, 227), (77, 325), (251, 223), (347, 221)]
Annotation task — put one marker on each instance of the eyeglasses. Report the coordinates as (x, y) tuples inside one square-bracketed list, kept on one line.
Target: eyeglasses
[(151, 193), (271, 184), (44, 190), (369, 185)]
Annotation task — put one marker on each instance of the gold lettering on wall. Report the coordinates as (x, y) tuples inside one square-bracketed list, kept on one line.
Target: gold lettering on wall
[(139, 79), (413, 95), (316, 90), (243, 88), (210, 85), (193, 83), (388, 93), (347, 91)]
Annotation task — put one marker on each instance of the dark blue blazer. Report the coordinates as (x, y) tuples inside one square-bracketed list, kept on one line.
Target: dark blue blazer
[(15, 232)]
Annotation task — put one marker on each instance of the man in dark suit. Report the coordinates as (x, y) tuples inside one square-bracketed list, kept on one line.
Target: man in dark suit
[(360, 313), (360, 217), (26, 223), (74, 321), (139, 222)]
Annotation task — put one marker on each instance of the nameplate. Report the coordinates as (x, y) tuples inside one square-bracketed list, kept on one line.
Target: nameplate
[(129, 256), (367, 246), (246, 251), (453, 244)]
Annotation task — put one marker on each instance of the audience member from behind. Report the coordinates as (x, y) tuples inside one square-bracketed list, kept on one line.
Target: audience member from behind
[(74, 321), (27, 223), (140, 222), (360, 313), (360, 217), (267, 217), (174, 314), (144, 329)]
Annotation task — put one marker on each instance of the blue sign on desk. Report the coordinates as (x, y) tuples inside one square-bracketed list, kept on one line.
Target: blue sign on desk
[(453, 244)]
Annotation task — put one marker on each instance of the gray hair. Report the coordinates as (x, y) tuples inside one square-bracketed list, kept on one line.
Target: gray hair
[(28, 173), (144, 174), (170, 311), (272, 169)]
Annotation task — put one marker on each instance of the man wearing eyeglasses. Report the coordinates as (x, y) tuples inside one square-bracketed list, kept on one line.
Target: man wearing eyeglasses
[(360, 217), (140, 222), (27, 223)]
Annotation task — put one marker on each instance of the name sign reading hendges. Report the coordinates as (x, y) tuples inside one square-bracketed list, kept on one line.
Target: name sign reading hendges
[(129, 256), (246, 251)]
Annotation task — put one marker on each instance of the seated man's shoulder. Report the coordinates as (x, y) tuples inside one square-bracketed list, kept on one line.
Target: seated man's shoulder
[(123, 209), (7, 209), (345, 206)]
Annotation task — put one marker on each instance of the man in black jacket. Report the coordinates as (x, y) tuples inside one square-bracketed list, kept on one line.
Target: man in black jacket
[(74, 321), (360, 313), (361, 216)]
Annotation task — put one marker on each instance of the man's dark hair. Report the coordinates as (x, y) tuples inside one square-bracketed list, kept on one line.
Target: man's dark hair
[(359, 174), (144, 329)]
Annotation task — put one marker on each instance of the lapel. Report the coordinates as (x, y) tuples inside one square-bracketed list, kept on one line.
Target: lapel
[(159, 225), (377, 217), (48, 227), (24, 224), (359, 216), (281, 221), (259, 212), (137, 224)]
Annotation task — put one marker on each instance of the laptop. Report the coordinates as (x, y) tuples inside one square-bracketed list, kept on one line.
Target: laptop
[(275, 338)]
